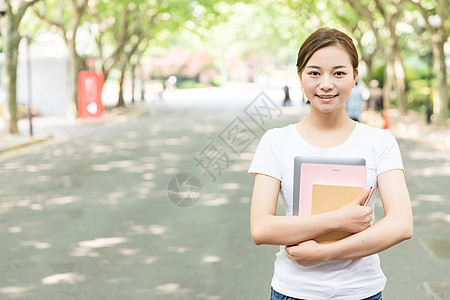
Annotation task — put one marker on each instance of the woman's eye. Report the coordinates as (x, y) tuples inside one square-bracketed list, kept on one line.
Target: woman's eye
[(314, 73), (339, 73)]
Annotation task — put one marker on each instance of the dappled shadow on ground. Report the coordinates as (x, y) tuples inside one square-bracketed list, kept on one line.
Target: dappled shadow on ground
[(90, 218), (427, 173)]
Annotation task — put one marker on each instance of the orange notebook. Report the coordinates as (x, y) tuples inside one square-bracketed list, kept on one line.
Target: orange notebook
[(327, 198)]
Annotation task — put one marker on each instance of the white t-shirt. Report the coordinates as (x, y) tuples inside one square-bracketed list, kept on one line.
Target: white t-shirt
[(344, 279)]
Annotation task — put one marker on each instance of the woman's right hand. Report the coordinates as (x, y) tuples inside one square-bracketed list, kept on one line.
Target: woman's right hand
[(354, 217)]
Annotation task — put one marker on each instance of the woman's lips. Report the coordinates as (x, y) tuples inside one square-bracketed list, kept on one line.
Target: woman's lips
[(326, 98)]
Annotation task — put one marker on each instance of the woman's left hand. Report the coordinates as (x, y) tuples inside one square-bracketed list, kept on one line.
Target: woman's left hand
[(307, 253)]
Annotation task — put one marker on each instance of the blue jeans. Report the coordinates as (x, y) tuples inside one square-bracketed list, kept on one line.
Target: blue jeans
[(274, 295)]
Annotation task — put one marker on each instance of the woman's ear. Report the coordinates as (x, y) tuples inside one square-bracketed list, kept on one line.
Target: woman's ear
[(355, 76)]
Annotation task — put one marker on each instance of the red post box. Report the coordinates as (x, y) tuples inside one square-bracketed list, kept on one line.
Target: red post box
[(90, 86)]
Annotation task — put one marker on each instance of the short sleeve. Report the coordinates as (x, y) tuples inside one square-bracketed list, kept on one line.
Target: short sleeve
[(265, 160), (389, 157)]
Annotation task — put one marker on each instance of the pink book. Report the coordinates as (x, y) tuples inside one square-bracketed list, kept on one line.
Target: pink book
[(346, 175)]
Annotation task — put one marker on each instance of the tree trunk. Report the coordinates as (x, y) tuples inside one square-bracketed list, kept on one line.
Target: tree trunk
[(388, 85), (399, 84), (133, 81), (121, 102), (75, 68), (440, 100), (11, 39), (142, 79)]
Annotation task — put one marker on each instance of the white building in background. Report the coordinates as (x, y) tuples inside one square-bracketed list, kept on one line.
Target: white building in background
[(49, 75)]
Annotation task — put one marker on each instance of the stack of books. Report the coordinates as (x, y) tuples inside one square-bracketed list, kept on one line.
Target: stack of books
[(326, 184)]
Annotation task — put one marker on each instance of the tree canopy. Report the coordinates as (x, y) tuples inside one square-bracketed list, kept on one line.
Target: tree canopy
[(393, 37)]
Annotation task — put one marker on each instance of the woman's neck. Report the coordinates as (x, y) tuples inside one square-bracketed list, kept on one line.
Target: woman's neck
[(328, 121), (326, 130)]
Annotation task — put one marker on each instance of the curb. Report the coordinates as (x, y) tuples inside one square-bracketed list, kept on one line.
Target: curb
[(23, 141), (20, 145)]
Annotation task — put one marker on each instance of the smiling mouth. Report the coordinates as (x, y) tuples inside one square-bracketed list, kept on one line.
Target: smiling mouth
[(326, 98)]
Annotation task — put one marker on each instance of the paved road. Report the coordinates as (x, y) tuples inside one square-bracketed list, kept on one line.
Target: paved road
[(88, 215)]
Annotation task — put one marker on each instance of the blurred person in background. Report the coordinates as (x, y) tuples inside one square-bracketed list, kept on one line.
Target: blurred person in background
[(353, 107), (376, 96)]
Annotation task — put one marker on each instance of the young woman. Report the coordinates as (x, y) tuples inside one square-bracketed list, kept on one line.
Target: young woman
[(327, 66)]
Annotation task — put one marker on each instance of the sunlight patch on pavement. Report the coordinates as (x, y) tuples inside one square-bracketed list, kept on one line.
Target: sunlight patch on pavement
[(39, 168), (173, 141), (155, 143), (125, 145), (426, 154), (215, 202), (170, 171), (12, 166), (36, 207), (101, 168), (23, 203), (208, 296), (171, 289), (434, 217), (100, 149), (148, 184), (36, 244), (150, 166), (211, 259), (248, 156), (171, 157), (442, 170), (151, 259), (157, 229), (37, 180), (63, 278), (205, 128), (135, 169), (180, 250), (15, 229), (148, 176), (230, 186), (103, 242), (15, 291), (430, 198), (122, 164), (116, 196), (156, 128), (244, 200), (128, 251), (63, 200), (239, 167), (152, 229), (84, 252)]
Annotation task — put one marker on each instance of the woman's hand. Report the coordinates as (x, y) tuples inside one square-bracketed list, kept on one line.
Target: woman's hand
[(307, 253), (354, 217)]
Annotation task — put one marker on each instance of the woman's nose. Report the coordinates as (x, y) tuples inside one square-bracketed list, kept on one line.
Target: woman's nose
[(326, 83)]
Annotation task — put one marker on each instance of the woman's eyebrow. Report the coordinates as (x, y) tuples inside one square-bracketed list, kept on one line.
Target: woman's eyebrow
[(335, 67), (340, 67)]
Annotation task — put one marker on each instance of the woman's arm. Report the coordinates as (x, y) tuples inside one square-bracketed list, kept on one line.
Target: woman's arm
[(395, 227), (268, 228)]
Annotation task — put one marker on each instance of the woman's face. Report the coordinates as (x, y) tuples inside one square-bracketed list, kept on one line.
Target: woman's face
[(328, 78)]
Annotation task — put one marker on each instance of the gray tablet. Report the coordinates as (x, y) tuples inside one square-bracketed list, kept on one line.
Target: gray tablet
[(299, 160)]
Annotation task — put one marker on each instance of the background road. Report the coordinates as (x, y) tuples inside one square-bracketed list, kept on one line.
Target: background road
[(88, 214)]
